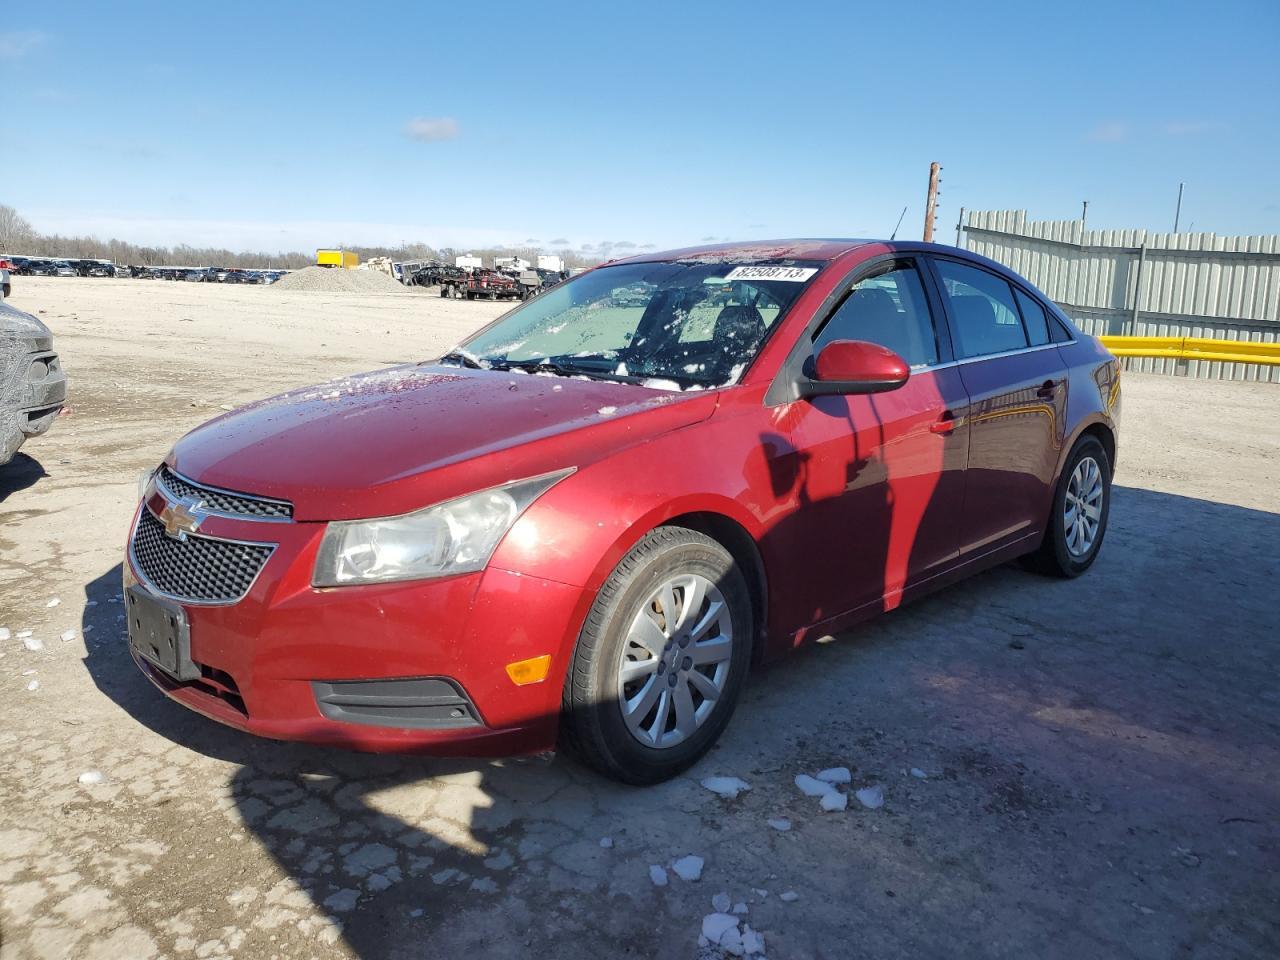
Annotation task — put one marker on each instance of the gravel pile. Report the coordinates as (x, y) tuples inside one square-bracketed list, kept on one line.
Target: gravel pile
[(338, 280)]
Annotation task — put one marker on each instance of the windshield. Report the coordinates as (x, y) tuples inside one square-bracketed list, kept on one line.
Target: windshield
[(683, 325)]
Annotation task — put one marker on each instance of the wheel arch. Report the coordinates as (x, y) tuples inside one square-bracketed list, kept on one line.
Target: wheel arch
[(1106, 436), (746, 554)]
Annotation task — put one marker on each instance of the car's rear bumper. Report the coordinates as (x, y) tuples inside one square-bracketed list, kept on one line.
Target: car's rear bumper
[(267, 662)]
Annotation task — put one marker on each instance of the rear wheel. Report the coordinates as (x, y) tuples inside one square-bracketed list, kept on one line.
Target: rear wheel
[(661, 659), (1078, 519)]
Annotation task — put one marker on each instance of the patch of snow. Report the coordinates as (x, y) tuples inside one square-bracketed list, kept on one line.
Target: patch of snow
[(811, 787), (689, 868), (32, 643), (752, 941), (919, 774), (720, 902), (657, 383), (23, 634), (836, 775), (760, 893), (871, 797), (4, 633), (835, 801), (728, 787), (33, 685), (607, 411), (484, 885), (343, 901), (739, 908), (620, 370), (606, 842), (789, 897), (90, 777), (781, 824), (716, 925), (658, 875), (67, 636), (558, 386), (54, 602)]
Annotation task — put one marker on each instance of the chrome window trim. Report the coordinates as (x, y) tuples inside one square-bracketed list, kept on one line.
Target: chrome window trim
[(146, 582), (173, 497), (991, 356)]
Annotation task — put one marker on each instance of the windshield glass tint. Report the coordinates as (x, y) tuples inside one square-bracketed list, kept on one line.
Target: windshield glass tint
[(691, 324)]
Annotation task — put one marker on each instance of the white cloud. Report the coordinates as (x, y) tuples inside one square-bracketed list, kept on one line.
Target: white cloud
[(1188, 128), (16, 44), (431, 129), (1113, 131)]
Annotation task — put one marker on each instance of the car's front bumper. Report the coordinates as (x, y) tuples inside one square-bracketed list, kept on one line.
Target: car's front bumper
[(33, 389), (270, 663)]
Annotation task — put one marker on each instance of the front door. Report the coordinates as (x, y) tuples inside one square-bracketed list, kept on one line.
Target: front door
[(879, 477)]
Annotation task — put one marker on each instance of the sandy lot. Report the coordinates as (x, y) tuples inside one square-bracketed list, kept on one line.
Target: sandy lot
[(1070, 769)]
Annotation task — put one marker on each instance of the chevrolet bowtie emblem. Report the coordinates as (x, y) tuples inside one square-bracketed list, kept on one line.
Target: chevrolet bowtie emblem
[(182, 518)]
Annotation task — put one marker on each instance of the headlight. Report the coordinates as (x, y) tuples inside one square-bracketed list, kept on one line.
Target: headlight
[(457, 536)]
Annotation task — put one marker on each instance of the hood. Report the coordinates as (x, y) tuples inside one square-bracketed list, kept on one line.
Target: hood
[(396, 440), (16, 325)]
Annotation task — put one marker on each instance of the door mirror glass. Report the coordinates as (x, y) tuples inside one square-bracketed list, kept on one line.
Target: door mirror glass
[(856, 366)]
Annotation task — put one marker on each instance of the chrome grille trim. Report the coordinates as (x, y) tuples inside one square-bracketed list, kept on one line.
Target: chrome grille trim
[(223, 503), (194, 571)]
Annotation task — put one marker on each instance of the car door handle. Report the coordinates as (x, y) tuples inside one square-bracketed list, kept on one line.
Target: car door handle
[(946, 423), (1048, 390)]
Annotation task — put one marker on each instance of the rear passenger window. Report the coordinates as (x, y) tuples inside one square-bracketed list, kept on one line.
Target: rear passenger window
[(1033, 316), (984, 315), (890, 309)]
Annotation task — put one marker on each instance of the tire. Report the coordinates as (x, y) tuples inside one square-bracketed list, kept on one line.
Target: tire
[(1058, 556), (593, 727)]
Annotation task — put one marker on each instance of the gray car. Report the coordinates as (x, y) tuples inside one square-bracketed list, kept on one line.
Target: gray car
[(33, 387)]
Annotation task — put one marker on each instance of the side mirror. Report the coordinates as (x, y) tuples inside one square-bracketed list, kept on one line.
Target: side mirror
[(855, 366)]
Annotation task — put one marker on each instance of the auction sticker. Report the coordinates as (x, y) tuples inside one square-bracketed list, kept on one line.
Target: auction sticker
[(791, 274)]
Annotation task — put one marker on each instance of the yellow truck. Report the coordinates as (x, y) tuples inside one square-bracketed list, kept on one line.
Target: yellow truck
[(337, 258)]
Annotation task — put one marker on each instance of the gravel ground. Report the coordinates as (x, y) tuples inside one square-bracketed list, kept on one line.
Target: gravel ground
[(1068, 769), (338, 280)]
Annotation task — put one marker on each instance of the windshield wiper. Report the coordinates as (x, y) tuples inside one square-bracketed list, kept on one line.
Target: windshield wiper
[(462, 359), (557, 367)]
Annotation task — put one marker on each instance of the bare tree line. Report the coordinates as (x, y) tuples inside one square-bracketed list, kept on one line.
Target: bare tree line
[(19, 237)]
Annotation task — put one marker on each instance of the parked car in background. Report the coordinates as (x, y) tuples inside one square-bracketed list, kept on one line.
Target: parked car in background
[(63, 268), (713, 457), (96, 268), (41, 268), (33, 387)]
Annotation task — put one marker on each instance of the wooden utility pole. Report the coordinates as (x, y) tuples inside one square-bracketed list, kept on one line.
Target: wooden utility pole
[(931, 202)]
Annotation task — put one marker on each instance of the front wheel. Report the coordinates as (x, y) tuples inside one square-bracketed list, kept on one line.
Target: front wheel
[(661, 659), (1078, 519)]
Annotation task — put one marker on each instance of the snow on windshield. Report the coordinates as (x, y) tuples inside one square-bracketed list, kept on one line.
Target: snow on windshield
[(687, 325)]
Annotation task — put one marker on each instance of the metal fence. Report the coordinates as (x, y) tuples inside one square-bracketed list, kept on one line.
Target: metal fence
[(1138, 283)]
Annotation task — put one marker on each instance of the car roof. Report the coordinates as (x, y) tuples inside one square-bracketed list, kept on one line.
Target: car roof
[(793, 249)]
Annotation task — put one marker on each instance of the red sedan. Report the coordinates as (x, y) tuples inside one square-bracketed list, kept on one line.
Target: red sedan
[(585, 524)]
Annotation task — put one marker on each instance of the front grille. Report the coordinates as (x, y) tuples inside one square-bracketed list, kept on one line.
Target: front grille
[(225, 501), (198, 569)]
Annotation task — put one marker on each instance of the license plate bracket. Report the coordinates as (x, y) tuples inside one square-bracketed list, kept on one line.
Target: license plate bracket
[(160, 634)]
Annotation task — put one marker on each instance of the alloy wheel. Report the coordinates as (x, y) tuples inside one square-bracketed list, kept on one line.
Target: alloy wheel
[(1082, 507), (675, 661)]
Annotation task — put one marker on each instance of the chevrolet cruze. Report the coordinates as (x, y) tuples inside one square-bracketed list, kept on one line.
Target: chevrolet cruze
[(584, 525)]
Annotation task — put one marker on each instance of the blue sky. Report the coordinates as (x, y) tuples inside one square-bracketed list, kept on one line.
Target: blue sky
[(276, 126)]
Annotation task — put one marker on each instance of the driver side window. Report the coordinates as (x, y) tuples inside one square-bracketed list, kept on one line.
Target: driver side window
[(888, 308)]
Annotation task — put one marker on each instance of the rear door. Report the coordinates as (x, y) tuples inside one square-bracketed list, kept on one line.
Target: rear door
[(1017, 386)]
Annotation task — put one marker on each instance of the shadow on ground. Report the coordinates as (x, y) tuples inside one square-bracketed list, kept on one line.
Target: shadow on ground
[(18, 474), (1100, 761)]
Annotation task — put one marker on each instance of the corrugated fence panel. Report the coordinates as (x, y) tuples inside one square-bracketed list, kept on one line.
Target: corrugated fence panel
[(1145, 284)]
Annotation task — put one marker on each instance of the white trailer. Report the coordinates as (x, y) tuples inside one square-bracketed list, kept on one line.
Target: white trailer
[(551, 263), (468, 262)]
